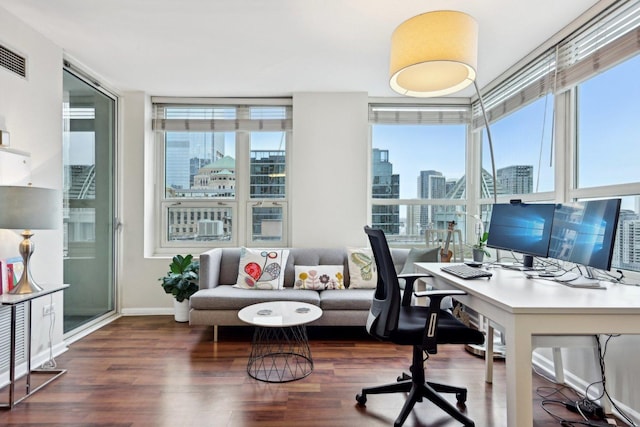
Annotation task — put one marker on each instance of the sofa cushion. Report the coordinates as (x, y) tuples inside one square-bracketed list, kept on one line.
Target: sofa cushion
[(362, 269), (319, 277), (312, 256), (226, 297), (419, 255), (261, 268), (348, 299)]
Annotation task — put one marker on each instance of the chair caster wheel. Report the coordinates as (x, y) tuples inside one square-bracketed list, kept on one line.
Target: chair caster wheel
[(461, 397), (361, 399)]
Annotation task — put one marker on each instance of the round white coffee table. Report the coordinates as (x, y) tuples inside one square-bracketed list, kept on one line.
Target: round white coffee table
[(280, 347)]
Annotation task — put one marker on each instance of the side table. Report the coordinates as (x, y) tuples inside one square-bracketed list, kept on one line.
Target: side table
[(13, 301), (280, 347)]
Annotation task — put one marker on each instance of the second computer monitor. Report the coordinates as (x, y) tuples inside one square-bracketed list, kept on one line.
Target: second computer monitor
[(523, 228), (584, 232)]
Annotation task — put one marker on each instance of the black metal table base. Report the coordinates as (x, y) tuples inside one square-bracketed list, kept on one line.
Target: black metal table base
[(280, 354)]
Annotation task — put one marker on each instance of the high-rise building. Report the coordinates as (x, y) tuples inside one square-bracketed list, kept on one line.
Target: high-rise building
[(431, 185), (178, 168), (386, 185), (516, 179), (626, 252)]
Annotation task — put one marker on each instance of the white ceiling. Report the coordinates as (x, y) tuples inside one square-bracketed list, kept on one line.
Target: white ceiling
[(245, 48)]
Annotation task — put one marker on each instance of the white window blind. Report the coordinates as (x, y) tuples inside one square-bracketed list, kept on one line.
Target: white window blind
[(607, 40), (220, 118), (419, 114)]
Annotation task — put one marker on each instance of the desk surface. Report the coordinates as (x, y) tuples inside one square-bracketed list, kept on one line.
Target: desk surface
[(511, 290), (527, 308), (11, 299)]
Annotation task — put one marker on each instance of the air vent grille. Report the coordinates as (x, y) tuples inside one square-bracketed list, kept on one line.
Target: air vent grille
[(13, 62)]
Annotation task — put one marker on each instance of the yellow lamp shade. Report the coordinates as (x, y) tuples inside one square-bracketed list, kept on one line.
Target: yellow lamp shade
[(434, 54)]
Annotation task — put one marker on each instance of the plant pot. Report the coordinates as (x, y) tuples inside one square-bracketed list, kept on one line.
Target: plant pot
[(478, 255), (181, 310)]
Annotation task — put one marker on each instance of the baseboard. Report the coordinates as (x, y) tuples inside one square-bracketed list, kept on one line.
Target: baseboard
[(36, 361), (156, 311)]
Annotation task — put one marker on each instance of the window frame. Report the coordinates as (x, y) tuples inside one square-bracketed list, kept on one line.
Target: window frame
[(242, 203)]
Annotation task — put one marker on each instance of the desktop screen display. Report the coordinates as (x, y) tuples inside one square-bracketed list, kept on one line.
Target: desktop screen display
[(520, 227), (584, 233)]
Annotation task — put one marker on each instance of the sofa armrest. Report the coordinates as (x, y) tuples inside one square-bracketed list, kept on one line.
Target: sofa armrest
[(209, 275)]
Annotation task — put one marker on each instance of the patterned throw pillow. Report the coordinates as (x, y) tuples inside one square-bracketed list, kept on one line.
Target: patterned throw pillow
[(262, 268), (363, 273), (319, 277)]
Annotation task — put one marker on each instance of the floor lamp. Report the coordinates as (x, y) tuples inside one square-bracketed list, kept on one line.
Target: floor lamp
[(436, 54), (28, 208)]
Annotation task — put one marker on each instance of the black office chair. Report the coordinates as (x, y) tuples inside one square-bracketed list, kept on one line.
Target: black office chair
[(396, 320)]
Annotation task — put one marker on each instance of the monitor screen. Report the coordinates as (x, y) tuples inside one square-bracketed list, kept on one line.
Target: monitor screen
[(521, 227), (584, 232)]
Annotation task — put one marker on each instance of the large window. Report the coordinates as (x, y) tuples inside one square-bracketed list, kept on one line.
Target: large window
[(607, 127), (522, 150), (418, 169), (607, 138), (223, 173)]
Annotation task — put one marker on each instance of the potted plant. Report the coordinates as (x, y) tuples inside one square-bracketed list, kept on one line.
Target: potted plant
[(181, 282), (479, 249)]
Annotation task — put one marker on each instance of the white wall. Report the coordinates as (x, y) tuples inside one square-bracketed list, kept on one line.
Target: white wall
[(328, 169), (328, 187), (31, 110)]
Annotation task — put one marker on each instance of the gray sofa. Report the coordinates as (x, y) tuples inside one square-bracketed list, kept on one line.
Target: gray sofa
[(217, 302)]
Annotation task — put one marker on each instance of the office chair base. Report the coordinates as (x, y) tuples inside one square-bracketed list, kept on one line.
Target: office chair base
[(417, 392)]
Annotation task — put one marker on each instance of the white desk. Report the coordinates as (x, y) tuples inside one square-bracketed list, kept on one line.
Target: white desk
[(530, 307)]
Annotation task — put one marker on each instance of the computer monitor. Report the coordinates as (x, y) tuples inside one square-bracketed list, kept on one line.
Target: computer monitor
[(521, 227), (584, 232)]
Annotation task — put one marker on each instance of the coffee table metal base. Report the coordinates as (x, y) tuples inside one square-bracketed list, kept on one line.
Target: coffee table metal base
[(280, 354)]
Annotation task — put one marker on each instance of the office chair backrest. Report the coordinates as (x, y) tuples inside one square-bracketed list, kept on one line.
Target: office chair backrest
[(385, 307)]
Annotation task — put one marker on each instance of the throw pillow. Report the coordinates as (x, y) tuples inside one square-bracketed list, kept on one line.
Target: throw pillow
[(419, 255), (319, 277), (362, 269), (262, 268)]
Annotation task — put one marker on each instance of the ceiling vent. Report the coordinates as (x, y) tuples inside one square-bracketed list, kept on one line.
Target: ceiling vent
[(13, 62)]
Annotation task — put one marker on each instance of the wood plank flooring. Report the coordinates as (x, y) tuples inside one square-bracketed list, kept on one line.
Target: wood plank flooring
[(152, 371)]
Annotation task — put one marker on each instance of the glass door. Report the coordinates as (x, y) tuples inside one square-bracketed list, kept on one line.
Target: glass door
[(89, 136)]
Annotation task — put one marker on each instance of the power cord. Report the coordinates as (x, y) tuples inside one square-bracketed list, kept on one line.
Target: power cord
[(51, 363)]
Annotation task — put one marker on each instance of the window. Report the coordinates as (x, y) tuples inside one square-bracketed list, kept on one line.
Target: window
[(418, 169), (224, 171), (606, 141), (522, 149), (607, 128)]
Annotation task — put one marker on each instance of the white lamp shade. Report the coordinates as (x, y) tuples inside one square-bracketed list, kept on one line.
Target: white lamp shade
[(27, 208), (434, 54)]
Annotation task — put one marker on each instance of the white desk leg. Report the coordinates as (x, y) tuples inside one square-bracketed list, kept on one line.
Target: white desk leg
[(519, 383), (488, 353)]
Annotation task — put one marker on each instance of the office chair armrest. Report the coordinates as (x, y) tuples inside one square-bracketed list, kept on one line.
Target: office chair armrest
[(409, 279), (436, 296), (438, 292), (430, 341)]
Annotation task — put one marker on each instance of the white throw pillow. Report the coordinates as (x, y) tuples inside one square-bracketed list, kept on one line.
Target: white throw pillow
[(261, 268), (363, 272), (319, 277)]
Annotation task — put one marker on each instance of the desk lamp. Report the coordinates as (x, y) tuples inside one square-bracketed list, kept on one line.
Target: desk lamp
[(28, 208)]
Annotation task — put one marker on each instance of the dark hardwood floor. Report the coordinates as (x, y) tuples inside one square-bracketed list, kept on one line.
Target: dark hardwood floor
[(152, 371)]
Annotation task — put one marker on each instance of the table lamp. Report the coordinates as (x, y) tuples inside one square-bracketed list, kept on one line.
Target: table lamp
[(27, 208)]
